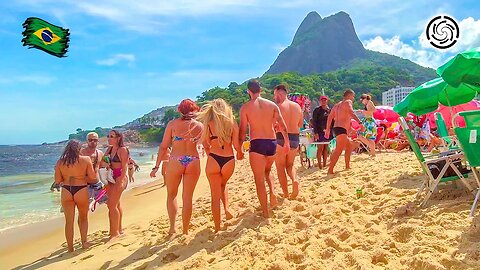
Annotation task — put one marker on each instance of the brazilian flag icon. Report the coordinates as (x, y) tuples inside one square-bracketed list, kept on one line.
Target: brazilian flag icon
[(45, 36)]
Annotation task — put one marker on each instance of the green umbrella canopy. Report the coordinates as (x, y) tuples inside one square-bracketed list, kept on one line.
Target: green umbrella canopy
[(463, 68), (425, 98)]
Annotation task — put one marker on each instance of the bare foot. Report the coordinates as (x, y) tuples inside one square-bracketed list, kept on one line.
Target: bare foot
[(172, 231), (86, 245), (330, 173), (228, 215), (295, 190), (283, 195), (70, 250), (273, 200), (112, 237)]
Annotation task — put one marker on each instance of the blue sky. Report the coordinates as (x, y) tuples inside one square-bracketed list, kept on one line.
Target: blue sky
[(129, 57)]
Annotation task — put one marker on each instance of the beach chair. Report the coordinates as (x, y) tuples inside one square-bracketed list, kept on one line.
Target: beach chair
[(382, 133), (451, 142), (469, 140), (436, 166)]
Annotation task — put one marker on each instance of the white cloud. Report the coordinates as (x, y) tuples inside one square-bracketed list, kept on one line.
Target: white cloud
[(101, 86), (117, 58), (394, 46), (144, 16)]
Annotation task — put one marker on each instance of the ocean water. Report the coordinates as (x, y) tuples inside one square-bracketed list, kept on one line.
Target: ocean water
[(26, 174)]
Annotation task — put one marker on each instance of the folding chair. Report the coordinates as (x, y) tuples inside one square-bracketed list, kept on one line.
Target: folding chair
[(447, 160), (469, 139), (451, 142), (382, 133)]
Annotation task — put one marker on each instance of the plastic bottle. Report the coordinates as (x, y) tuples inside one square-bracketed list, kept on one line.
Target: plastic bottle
[(359, 193)]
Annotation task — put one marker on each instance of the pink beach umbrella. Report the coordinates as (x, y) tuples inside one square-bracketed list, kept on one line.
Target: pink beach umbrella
[(447, 115), (386, 114)]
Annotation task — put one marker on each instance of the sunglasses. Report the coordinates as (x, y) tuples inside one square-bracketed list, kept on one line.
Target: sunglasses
[(93, 140), (110, 136)]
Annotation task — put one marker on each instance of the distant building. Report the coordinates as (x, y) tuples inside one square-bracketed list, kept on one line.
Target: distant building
[(393, 96)]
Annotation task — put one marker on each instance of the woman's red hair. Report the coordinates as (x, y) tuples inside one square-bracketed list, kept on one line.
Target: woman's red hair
[(187, 106)]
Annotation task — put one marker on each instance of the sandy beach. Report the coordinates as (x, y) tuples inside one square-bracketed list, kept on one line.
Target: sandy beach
[(326, 227)]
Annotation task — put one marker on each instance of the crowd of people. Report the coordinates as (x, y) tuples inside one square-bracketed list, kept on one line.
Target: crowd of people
[(273, 138)]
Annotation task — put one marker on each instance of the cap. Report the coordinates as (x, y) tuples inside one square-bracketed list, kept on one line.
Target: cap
[(323, 97)]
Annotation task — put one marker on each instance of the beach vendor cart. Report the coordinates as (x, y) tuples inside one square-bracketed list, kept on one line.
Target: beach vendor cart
[(308, 148)]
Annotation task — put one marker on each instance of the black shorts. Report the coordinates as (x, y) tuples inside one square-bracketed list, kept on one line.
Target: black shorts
[(266, 147), (292, 137), (339, 131)]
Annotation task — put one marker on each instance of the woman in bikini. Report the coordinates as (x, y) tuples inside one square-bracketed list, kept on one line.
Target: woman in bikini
[(369, 133), (183, 134), (118, 155), (165, 160), (220, 136), (73, 172), (132, 168)]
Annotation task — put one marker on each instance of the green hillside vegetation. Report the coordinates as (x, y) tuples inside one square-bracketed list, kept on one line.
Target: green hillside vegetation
[(372, 79), (81, 134), (155, 135)]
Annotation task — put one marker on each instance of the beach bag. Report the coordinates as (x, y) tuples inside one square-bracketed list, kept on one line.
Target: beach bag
[(96, 194), (105, 175), (436, 167)]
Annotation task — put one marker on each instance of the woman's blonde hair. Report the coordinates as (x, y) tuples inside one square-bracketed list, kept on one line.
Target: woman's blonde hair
[(221, 115)]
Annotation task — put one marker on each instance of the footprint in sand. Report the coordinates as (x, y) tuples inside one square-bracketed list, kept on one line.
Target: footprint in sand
[(380, 257), (403, 234), (86, 257), (170, 257)]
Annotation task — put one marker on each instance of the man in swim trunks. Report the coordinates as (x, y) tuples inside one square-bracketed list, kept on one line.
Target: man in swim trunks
[(91, 150), (261, 115), (293, 116), (342, 113)]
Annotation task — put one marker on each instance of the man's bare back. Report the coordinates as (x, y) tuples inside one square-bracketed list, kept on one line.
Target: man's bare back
[(260, 115), (292, 114)]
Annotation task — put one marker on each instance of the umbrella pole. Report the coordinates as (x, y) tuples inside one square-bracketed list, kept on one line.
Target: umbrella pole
[(450, 107)]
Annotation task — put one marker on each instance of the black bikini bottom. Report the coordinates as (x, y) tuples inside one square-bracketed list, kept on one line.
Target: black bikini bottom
[(73, 189), (221, 160)]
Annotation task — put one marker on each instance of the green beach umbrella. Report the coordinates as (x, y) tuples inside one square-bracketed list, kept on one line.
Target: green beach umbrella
[(425, 98), (463, 68)]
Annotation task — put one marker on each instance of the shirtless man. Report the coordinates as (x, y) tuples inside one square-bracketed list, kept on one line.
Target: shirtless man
[(342, 113), (261, 115), (91, 150), (293, 116)]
